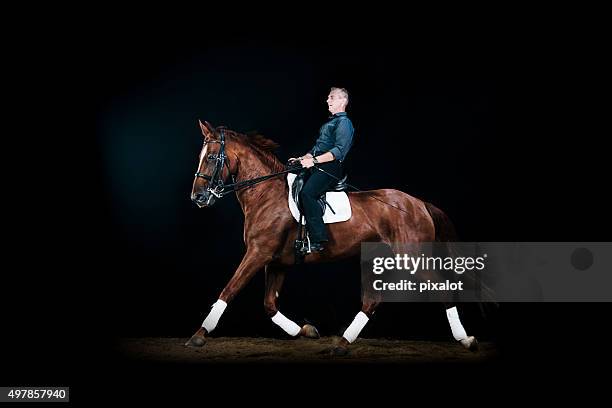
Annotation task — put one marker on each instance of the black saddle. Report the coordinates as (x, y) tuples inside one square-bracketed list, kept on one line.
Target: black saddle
[(298, 184)]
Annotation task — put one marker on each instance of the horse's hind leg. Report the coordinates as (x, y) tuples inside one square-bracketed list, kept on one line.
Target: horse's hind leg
[(352, 332), (275, 275), (397, 246), (459, 333)]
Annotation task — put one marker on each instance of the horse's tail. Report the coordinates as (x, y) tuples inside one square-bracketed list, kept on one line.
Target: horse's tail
[(445, 232)]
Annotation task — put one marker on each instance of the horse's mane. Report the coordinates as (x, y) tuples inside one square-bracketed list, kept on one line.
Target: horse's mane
[(261, 145)]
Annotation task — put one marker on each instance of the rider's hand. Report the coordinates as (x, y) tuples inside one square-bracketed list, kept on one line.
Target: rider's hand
[(294, 159), (307, 162)]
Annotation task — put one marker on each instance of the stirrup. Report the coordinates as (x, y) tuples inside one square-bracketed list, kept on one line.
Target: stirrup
[(303, 246)]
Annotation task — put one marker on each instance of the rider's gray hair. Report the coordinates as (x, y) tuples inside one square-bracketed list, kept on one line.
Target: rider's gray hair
[(343, 91)]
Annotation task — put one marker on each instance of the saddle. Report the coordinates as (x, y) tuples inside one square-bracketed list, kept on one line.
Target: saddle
[(299, 182), (337, 196)]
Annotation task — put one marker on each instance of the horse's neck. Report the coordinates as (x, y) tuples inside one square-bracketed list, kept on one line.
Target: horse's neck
[(252, 198)]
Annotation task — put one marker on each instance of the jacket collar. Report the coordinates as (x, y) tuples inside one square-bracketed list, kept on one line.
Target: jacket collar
[(337, 115)]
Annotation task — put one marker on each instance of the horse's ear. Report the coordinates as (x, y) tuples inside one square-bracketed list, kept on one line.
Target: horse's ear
[(207, 129)]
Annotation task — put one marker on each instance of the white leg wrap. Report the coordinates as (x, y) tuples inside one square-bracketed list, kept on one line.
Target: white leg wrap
[(359, 322), (287, 325), (215, 314), (455, 324)]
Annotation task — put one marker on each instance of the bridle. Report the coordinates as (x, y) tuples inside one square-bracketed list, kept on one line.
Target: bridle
[(216, 186)]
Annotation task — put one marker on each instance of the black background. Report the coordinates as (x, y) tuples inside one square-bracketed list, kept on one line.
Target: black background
[(498, 134), (161, 247)]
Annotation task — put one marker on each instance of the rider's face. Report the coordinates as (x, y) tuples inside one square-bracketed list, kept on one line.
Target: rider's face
[(336, 102)]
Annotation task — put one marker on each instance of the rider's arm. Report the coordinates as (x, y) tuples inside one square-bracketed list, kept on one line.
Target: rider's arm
[(325, 157), (344, 139)]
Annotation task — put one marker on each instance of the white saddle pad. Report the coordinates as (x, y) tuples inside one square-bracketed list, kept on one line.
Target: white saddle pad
[(338, 200)]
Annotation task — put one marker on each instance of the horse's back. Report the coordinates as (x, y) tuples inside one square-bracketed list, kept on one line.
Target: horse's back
[(395, 209), (388, 195)]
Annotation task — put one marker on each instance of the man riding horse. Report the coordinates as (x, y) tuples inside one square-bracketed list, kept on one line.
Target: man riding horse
[(329, 152), (387, 216)]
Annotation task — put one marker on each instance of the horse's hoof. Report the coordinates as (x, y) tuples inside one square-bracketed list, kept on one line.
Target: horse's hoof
[(339, 351), (309, 331), (470, 343), (197, 340)]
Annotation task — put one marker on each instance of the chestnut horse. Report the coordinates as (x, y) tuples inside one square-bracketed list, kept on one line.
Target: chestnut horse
[(270, 229)]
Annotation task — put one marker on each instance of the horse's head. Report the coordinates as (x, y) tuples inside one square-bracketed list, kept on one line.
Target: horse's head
[(214, 166)]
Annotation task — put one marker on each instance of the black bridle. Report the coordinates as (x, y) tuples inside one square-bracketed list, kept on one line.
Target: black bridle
[(216, 185)]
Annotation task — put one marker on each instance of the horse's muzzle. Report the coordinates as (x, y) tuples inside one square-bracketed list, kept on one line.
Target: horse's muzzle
[(203, 199)]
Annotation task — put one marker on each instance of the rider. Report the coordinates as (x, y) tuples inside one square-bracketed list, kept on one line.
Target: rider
[(330, 150)]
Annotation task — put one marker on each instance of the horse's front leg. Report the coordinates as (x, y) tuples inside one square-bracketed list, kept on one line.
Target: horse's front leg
[(275, 275), (252, 262)]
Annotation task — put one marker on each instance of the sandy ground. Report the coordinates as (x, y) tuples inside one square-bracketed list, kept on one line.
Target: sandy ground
[(265, 350)]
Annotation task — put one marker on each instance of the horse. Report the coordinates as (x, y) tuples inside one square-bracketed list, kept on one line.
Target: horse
[(269, 228)]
